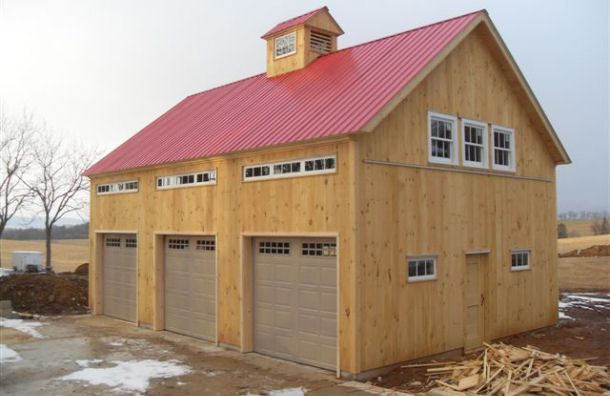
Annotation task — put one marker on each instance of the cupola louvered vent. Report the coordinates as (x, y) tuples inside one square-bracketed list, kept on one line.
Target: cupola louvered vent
[(320, 42)]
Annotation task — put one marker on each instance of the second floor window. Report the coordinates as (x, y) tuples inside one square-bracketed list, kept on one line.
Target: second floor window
[(442, 138), (503, 154)]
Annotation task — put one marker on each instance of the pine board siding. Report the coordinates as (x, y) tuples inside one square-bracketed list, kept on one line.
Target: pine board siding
[(408, 211)]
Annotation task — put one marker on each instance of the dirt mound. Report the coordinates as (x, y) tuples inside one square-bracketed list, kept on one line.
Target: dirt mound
[(82, 269), (46, 294), (593, 251)]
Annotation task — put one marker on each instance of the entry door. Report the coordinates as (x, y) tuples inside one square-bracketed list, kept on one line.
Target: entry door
[(474, 299)]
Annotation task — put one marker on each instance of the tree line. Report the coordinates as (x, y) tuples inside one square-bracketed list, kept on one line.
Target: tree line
[(40, 173), (78, 231)]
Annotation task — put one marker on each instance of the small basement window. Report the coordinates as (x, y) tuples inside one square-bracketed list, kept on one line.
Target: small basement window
[(442, 138), (320, 42), (474, 147), (520, 260), (421, 268), (117, 187), (274, 247), (303, 167), (503, 154), (285, 45), (186, 180)]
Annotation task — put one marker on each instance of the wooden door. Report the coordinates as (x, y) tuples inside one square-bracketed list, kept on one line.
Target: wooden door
[(474, 300)]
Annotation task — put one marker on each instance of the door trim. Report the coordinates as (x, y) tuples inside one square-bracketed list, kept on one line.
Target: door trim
[(159, 275), (97, 292), (246, 239)]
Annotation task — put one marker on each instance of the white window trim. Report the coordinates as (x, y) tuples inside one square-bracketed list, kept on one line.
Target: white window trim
[(485, 154), (513, 149), (523, 267), (301, 173), (195, 184), (116, 184), (454, 138), (288, 53), (423, 278)]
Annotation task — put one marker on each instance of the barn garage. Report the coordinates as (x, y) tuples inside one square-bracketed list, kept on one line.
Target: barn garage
[(295, 299), (190, 286), (120, 276)]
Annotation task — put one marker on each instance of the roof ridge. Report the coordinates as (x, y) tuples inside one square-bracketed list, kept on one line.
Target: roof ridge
[(302, 15), (406, 31)]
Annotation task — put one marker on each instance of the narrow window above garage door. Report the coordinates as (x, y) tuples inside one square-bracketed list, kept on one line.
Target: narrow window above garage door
[(291, 168), (187, 180)]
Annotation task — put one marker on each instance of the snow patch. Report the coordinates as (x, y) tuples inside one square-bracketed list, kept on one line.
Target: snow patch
[(22, 326), (5, 272), (300, 391), (86, 363), (130, 376), (7, 355), (117, 343)]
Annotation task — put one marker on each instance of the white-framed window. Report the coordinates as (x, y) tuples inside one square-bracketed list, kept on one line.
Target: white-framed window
[(186, 180), (503, 148), (121, 187), (421, 268), (442, 138), (285, 45), (301, 167), (474, 144), (520, 260)]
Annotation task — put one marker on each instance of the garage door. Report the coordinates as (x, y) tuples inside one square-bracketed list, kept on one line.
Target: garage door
[(190, 286), (120, 276), (295, 300)]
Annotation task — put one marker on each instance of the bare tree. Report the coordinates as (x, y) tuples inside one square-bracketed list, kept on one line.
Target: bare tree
[(56, 181), (15, 159)]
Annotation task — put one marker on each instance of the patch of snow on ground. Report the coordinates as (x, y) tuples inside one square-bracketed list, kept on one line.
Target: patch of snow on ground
[(131, 376), (5, 272), (582, 301), (7, 355), (288, 392), (116, 343), (86, 363), (22, 326)]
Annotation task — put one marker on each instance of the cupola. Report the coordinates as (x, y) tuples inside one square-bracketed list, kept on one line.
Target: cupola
[(295, 43)]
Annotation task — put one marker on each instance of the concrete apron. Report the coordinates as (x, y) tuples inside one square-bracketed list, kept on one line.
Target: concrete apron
[(214, 370)]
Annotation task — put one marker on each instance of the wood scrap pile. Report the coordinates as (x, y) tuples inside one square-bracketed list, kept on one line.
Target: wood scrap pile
[(509, 370)]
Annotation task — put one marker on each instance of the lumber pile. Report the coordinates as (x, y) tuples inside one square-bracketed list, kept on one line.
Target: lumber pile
[(508, 370)]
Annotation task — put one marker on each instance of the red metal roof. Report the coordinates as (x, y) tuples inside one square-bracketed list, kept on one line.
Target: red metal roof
[(293, 22), (336, 94)]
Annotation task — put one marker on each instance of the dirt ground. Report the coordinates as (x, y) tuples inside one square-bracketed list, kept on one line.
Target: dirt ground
[(46, 294), (566, 244), (94, 346), (583, 332), (67, 253)]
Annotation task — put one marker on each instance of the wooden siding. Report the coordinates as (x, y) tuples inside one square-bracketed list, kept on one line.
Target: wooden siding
[(307, 205), (407, 211)]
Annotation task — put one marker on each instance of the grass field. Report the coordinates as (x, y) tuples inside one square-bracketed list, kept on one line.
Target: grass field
[(567, 244), (67, 253), (578, 228)]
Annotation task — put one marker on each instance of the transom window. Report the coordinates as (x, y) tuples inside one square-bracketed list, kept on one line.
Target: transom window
[(187, 180), (113, 242), (319, 249), (303, 167), (421, 268), (474, 135), (175, 243), (274, 247), (442, 138), (520, 260), (206, 244), (503, 154), (117, 187), (285, 45), (131, 243)]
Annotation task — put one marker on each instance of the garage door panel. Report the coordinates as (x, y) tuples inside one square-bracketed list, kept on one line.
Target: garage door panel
[(295, 309), (190, 286), (120, 277)]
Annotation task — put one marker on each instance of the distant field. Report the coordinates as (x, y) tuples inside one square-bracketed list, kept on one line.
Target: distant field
[(583, 273), (67, 253), (567, 244), (580, 227)]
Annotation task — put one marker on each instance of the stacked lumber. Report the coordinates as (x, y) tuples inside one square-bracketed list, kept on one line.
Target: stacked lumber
[(509, 370)]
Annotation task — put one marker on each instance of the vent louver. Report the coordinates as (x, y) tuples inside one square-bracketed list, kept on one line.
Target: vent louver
[(320, 42)]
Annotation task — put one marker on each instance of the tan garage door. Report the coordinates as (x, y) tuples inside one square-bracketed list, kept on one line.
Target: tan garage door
[(295, 299), (120, 276), (190, 286)]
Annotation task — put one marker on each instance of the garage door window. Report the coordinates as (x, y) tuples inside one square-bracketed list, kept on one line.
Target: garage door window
[(319, 249), (206, 244), (178, 244), (274, 248), (113, 242), (131, 243)]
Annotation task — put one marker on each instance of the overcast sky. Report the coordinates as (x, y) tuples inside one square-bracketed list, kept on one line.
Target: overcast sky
[(100, 71)]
